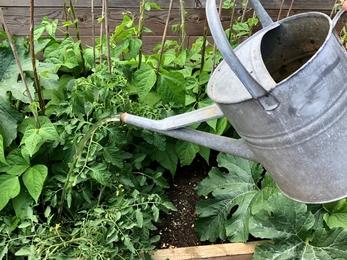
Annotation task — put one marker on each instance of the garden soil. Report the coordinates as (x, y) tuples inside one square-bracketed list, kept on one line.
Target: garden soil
[(176, 229)]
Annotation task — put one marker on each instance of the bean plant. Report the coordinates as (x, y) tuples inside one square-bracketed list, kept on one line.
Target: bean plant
[(74, 182)]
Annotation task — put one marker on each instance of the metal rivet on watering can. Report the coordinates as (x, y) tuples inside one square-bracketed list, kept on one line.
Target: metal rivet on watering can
[(295, 68)]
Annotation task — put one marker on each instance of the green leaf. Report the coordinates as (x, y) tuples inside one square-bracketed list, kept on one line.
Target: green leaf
[(9, 72), (4, 251), (337, 214), (129, 244), (2, 154), (34, 137), (34, 179), (100, 173), (16, 163), (26, 251), (172, 87), (9, 120), (20, 204), (323, 245), (167, 158), (235, 191), (186, 151), (149, 5), (145, 79), (9, 188), (139, 218), (282, 219), (155, 213)]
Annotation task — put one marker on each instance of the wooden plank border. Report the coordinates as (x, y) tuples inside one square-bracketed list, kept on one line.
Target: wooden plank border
[(230, 251)]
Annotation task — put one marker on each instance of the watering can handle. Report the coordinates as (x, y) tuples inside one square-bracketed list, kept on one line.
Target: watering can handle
[(264, 98), (337, 17)]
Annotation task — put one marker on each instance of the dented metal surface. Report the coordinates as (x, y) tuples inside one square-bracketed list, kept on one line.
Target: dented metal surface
[(286, 97)]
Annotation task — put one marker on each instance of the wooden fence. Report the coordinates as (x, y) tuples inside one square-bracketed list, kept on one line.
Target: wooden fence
[(17, 15)]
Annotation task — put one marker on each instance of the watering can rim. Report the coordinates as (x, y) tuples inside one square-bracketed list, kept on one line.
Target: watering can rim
[(258, 36)]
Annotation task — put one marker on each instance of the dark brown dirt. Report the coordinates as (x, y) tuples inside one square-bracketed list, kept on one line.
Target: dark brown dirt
[(177, 228)]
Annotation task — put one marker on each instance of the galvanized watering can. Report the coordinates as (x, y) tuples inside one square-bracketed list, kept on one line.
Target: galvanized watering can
[(284, 90)]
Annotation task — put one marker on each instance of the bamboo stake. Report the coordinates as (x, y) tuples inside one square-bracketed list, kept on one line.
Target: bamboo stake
[(244, 11), (78, 37), (93, 32), (214, 44), (280, 11), (33, 59), (101, 30), (107, 38), (27, 91), (164, 36), (140, 29), (290, 8)]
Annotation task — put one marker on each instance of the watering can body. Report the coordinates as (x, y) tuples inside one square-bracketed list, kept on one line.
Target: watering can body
[(299, 133)]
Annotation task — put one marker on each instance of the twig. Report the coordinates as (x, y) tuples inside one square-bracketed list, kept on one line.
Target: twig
[(203, 48), (244, 11), (232, 18), (9, 36), (183, 23), (107, 38), (164, 36), (281, 9), (214, 44), (101, 30), (333, 10), (78, 36), (93, 32), (140, 28), (290, 7), (33, 59)]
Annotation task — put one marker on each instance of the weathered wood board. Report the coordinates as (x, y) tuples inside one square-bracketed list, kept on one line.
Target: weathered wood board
[(17, 16), (231, 251)]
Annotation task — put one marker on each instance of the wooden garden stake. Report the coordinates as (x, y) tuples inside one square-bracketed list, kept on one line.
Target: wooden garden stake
[(9, 36), (33, 59), (164, 36)]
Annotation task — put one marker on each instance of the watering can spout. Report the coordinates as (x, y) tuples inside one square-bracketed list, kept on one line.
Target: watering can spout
[(175, 127)]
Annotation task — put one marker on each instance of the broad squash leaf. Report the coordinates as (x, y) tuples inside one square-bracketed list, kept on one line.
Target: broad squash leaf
[(290, 225), (233, 193)]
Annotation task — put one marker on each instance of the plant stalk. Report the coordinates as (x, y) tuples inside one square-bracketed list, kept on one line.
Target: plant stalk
[(75, 20), (183, 24), (77, 155), (65, 18), (33, 59), (15, 53), (140, 29), (164, 36)]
